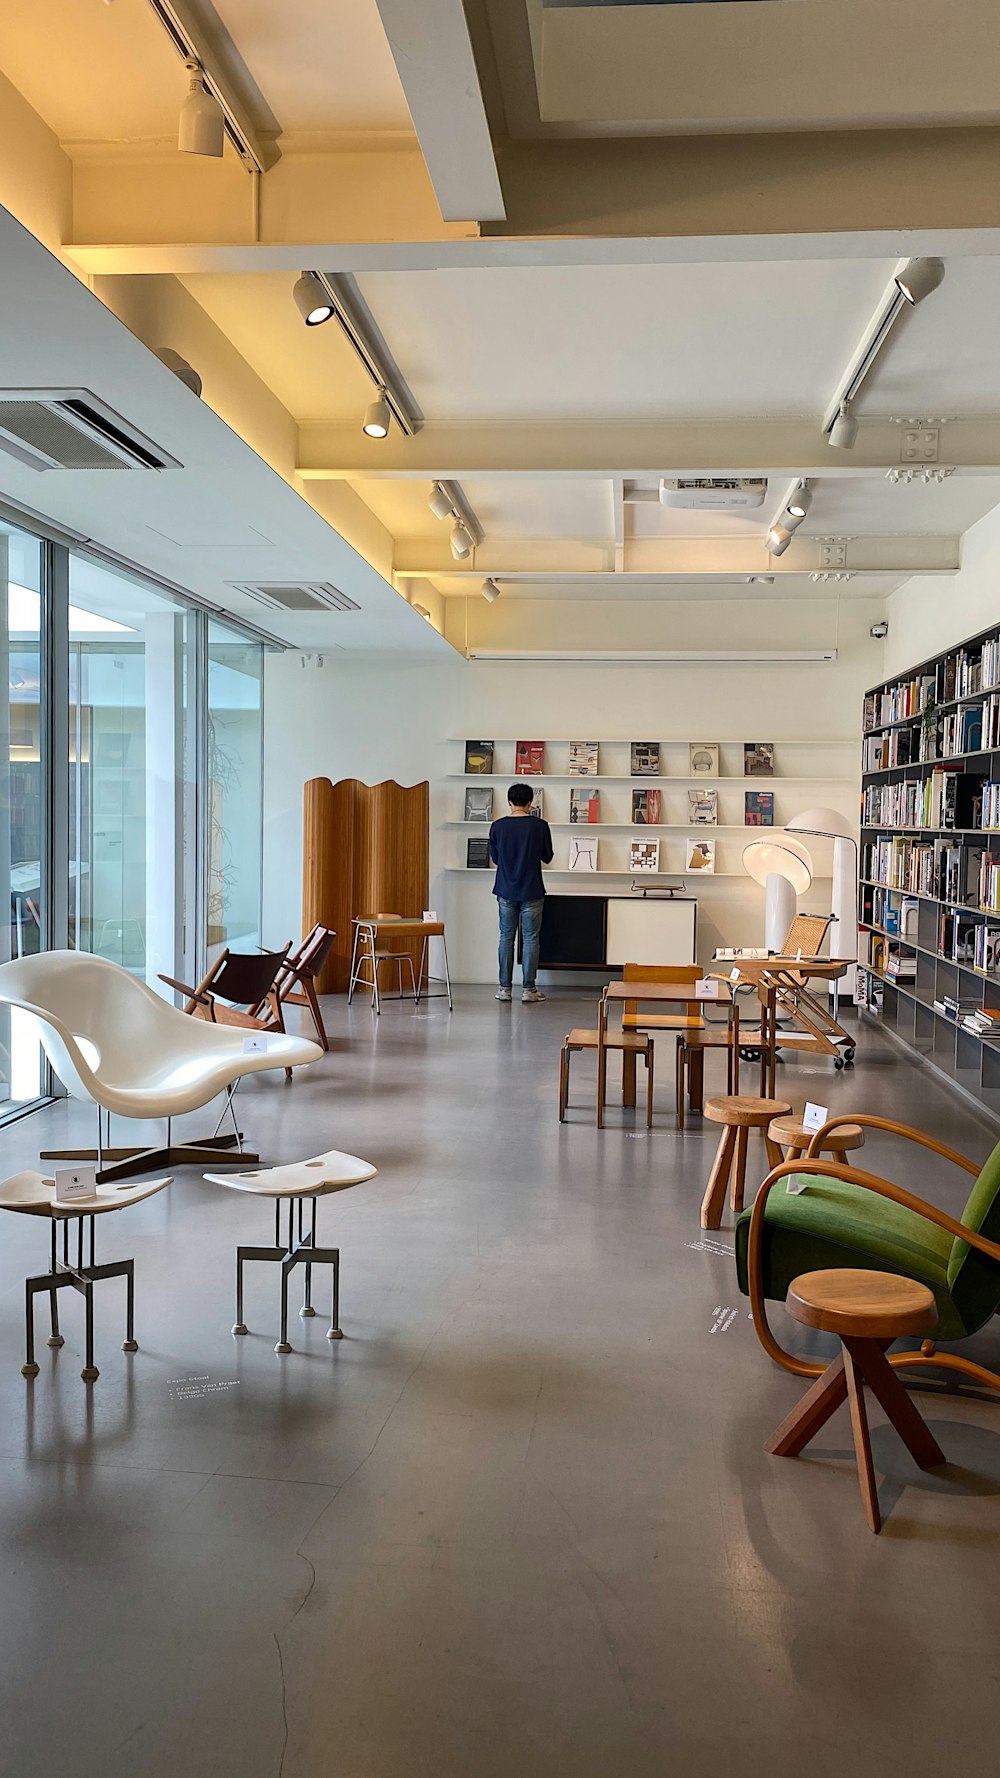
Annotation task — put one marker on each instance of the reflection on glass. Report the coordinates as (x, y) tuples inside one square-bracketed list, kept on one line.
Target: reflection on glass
[(22, 801), (235, 734)]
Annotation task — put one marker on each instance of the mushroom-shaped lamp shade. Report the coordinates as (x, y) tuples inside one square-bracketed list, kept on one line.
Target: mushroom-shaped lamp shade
[(784, 867), (829, 823)]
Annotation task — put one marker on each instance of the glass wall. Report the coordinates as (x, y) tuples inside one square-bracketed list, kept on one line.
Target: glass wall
[(23, 800), (234, 767)]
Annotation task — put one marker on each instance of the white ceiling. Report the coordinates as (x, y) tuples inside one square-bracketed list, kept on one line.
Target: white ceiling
[(322, 66)]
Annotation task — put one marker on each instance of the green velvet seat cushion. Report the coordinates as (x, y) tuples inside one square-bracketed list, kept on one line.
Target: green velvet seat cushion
[(834, 1224), (973, 1278)]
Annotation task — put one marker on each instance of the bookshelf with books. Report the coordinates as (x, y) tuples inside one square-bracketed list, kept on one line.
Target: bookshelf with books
[(929, 899)]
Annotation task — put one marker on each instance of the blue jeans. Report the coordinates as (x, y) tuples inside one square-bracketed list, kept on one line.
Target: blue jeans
[(530, 915)]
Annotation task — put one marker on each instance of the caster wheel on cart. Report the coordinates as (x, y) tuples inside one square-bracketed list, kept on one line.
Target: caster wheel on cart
[(849, 1059), (838, 1062)]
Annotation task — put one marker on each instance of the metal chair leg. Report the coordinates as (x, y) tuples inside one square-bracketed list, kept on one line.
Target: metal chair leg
[(335, 1331), (130, 1343), (90, 1372), (239, 1325), (29, 1368)]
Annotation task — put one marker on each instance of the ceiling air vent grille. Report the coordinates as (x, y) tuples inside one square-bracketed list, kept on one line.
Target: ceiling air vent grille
[(310, 595), (73, 429)]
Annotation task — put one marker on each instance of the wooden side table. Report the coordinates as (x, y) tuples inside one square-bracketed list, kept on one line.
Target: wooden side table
[(868, 1310)]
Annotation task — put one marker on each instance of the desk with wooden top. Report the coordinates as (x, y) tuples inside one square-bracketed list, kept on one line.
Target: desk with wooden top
[(660, 994), (371, 926)]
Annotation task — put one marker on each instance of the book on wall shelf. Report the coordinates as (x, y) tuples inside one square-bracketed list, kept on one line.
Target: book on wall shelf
[(583, 758), (585, 807), (644, 759), (479, 802), (758, 759), (644, 857), (536, 802), (647, 808), (758, 808), (701, 856), (479, 758), (703, 759), (477, 854), (529, 759), (583, 851), (703, 808)]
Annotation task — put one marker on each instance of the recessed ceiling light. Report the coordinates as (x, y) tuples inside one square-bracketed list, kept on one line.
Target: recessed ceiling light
[(919, 277), (377, 417), (201, 126), (311, 300), (440, 502)]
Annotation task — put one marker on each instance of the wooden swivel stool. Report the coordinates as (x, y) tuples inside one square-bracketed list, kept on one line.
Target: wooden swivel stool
[(789, 1134), (868, 1310), (740, 1114)]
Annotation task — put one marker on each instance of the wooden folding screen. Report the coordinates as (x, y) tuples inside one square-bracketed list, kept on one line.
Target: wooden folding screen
[(364, 852)]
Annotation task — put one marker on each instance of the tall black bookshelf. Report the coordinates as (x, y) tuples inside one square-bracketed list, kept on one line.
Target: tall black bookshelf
[(929, 896)]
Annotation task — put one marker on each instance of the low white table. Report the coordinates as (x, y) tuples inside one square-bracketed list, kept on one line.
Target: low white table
[(32, 1194), (296, 1183)]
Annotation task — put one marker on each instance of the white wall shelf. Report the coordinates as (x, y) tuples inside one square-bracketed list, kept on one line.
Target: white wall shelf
[(641, 827), (649, 781)]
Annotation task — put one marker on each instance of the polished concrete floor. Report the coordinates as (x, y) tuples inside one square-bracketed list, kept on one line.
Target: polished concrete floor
[(519, 1521)]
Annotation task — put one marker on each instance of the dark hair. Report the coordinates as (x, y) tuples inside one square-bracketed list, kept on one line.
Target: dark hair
[(521, 795)]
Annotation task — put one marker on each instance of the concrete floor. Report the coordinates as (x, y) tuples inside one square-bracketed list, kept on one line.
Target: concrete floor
[(520, 1520)]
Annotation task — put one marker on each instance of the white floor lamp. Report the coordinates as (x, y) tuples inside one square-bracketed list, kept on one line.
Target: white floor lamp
[(784, 867), (829, 824)]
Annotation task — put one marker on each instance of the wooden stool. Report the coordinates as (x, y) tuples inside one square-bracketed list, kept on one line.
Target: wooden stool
[(868, 1310), (740, 1114), (789, 1135), (634, 1043)]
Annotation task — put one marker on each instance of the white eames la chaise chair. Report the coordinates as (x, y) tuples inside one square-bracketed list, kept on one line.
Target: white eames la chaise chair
[(112, 1040)]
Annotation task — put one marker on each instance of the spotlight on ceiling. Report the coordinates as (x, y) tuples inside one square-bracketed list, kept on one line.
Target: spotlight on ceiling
[(440, 502), (181, 368), (919, 277), (462, 541), (311, 300), (422, 611), (778, 539), (377, 417), (799, 504), (490, 590), (201, 126), (844, 431)]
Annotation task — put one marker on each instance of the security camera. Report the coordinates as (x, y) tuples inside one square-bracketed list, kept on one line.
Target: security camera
[(878, 631)]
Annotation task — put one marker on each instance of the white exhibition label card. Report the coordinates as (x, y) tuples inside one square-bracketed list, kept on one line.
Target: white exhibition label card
[(814, 1117), (706, 990), (255, 1043), (75, 1182)]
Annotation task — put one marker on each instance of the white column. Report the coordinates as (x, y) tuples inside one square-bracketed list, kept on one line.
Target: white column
[(164, 800)]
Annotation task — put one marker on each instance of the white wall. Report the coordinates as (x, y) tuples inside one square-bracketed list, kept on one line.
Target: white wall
[(927, 614), (372, 720)]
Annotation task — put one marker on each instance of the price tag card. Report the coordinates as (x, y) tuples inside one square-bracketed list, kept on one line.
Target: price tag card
[(75, 1182), (255, 1043), (734, 975), (814, 1117), (707, 990)]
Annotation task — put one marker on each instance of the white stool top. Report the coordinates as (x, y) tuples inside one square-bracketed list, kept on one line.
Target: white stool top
[(34, 1195), (332, 1172)]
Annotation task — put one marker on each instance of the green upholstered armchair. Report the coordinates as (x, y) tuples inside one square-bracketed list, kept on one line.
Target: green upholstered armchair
[(845, 1217)]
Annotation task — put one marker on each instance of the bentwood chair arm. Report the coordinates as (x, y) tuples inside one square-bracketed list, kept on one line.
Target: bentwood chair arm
[(870, 1122), (872, 1182)]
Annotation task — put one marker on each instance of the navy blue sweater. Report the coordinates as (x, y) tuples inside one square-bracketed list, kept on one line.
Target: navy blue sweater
[(519, 846)]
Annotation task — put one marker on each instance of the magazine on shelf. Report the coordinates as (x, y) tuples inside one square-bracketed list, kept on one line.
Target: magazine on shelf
[(477, 854), (529, 759), (758, 808), (479, 758), (536, 802), (703, 759), (758, 759), (478, 803), (585, 807), (583, 756), (645, 759), (703, 808), (701, 856), (583, 851), (647, 808), (644, 856)]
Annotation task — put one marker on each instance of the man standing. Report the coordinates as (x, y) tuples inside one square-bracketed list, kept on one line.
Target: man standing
[(520, 844)]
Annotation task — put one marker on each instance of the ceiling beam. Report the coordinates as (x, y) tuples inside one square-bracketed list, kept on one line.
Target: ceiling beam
[(610, 449), (687, 557)]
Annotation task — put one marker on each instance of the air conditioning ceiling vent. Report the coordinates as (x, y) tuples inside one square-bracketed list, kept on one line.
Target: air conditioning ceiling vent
[(723, 493), (310, 595), (73, 429)]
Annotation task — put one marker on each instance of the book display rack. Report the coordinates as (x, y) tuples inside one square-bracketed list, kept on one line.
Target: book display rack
[(929, 928)]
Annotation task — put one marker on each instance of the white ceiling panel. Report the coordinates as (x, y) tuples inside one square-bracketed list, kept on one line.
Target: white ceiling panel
[(943, 359), (321, 67), (313, 371)]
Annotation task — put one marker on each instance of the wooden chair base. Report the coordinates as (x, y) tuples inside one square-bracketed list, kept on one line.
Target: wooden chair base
[(739, 1115)]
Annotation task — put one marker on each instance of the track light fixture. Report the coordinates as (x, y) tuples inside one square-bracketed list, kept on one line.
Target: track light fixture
[(490, 591), (798, 506), (202, 121), (440, 502), (377, 417), (462, 541), (180, 367), (778, 539), (844, 431), (311, 300), (918, 278)]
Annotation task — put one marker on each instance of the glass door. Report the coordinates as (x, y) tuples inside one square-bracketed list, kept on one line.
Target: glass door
[(23, 800), (235, 734)]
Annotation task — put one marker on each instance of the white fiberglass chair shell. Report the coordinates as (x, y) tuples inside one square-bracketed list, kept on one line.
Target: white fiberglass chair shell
[(111, 1039)]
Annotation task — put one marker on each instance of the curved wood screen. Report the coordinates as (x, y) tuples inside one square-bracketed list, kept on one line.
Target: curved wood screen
[(364, 852)]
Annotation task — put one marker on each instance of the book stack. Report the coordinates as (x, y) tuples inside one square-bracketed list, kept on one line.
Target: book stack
[(984, 1022), (908, 698), (901, 967), (991, 804), (961, 732), (989, 884), (956, 1007)]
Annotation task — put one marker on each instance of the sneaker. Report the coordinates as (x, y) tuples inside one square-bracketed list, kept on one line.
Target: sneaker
[(504, 994), (532, 996)]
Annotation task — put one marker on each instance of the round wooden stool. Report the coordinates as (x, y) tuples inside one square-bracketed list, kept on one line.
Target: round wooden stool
[(789, 1134), (740, 1114), (868, 1310)]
